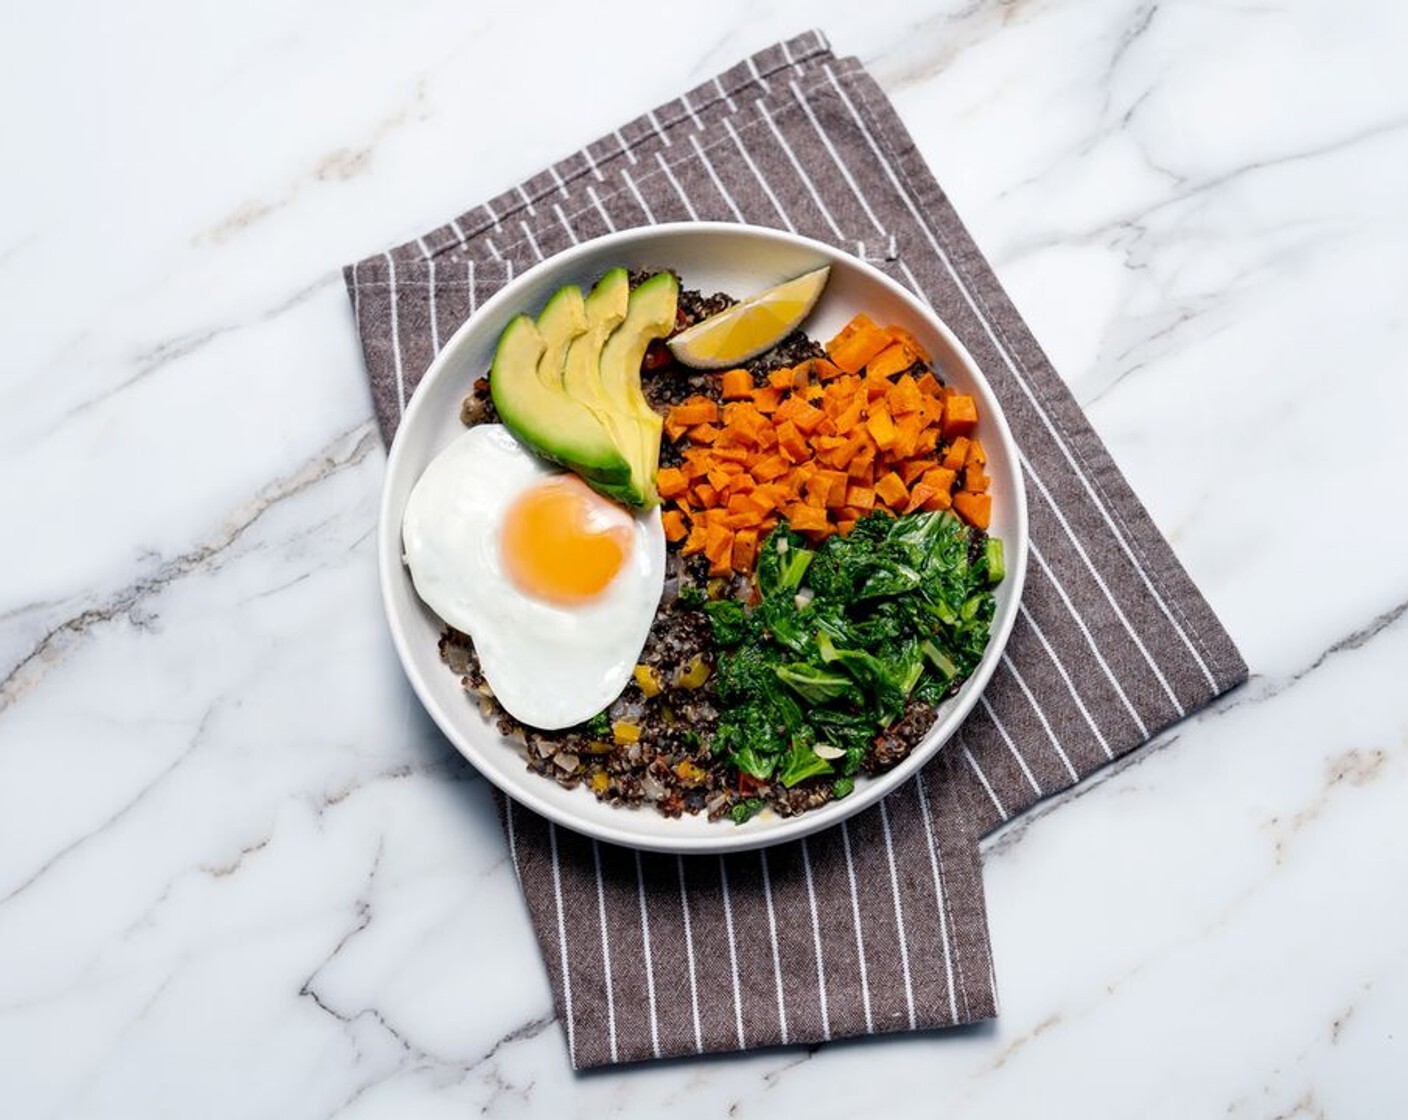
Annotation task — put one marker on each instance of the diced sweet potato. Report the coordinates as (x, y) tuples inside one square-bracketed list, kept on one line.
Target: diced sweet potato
[(767, 399), (673, 522), (860, 497), (745, 549), (957, 454), (895, 358), (791, 442), (976, 509), (671, 482), (859, 341), (960, 416), (805, 518), (940, 478), (882, 428), (904, 397), (737, 385), (929, 385), (911, 469), (891, 490)]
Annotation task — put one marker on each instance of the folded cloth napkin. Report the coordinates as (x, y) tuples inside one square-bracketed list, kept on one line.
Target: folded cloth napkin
[(876, 925)]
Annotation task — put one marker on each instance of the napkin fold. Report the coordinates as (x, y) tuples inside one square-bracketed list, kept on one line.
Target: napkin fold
[(878, 924)]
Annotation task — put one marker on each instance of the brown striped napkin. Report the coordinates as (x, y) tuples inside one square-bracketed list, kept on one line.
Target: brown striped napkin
[(877, 925)]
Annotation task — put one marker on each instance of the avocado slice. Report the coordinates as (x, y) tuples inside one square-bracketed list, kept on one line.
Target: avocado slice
[(650, 314), (561, 322), (549, 421), (606, 308)]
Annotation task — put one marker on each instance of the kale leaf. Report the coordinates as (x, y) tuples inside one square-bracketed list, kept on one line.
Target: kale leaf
[(843, 637)]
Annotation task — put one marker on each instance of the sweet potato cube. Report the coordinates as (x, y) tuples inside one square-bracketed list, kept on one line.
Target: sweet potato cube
[(859, 468), (932, 409), (882, 428), (859, 341), (818, 489), (718, 547), (957, 454), (737, 385), (940, 478), (891, 490), (904, 396), (928, 440), (850, 416), (762, 500), (835, 482), (895, 358), (769, 467), (845, 525), (704, 433), (671, 482), (781, 379), (825, 370), (911, 469), (960, 416), (695, 410), (974, 480), (705, 495), (767, 399), (791, 442), (921, 493), (874, 388), (976, 454), (694, 543), (908, 436), (673, 522), (745, 549), (929, 385), (899, 334), (976, 509), (808, 417), (941, 499), (860, 497), (805, 518)]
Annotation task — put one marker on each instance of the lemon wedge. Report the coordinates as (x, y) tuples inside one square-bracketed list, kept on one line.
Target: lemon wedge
[(746, 329)]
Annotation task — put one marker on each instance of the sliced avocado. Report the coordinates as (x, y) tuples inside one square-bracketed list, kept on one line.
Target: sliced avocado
[(581, 375), (650, 314), (557, 426), (561, 322)]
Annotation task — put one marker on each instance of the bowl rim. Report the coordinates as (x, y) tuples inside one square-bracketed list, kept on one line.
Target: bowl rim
[(730, 838)]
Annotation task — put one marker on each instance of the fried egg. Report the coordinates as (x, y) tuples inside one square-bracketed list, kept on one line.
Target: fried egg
[(556, 585)]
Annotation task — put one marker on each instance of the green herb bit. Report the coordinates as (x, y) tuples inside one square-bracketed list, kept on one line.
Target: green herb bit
[(746, 810), (994, 560), (802, 762)]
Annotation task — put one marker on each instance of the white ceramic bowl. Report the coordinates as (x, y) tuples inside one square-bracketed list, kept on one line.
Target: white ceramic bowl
[(710, 257)]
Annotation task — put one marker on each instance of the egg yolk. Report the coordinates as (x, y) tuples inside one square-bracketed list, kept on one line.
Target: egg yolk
[(563, 542)]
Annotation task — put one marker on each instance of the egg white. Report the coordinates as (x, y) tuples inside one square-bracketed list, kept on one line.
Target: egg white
[(550, 666)]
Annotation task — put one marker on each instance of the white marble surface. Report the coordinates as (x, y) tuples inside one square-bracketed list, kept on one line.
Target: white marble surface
[(241, 875)]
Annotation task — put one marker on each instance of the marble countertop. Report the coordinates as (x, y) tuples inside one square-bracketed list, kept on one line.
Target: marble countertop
[(240, 872)]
